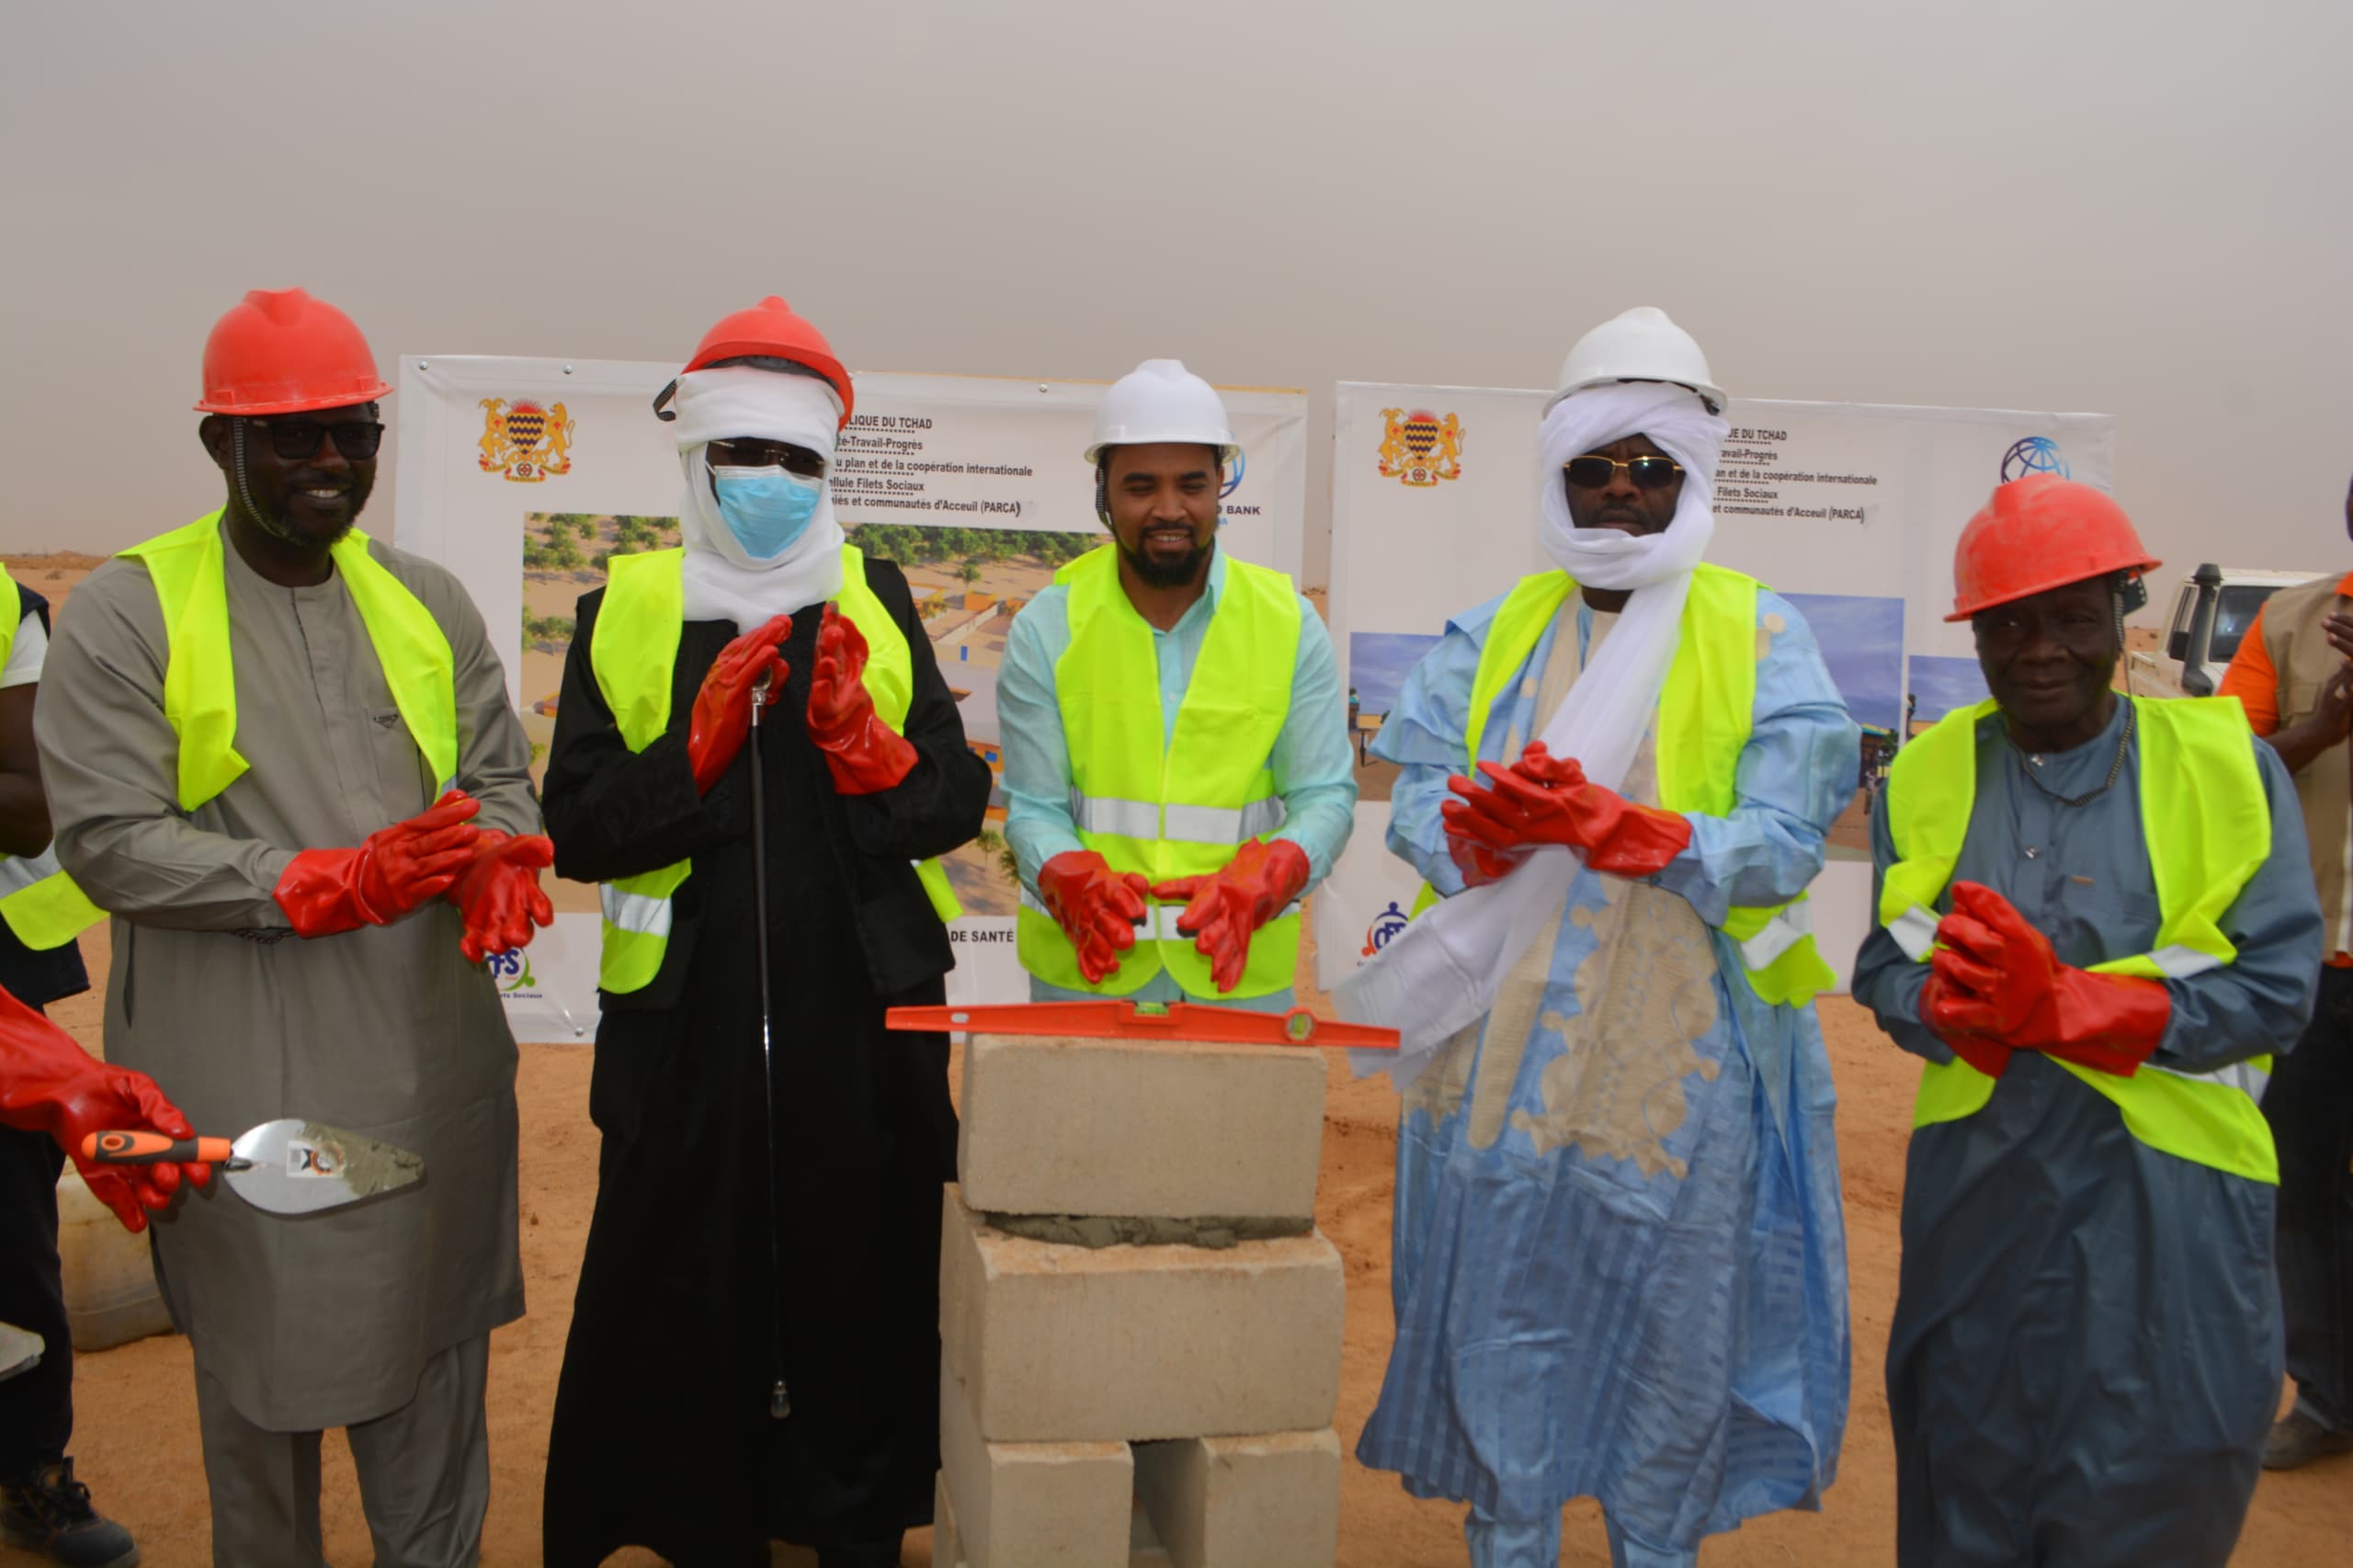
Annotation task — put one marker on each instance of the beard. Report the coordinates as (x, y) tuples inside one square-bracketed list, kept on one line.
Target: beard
[(276, 524), (1168, 574)]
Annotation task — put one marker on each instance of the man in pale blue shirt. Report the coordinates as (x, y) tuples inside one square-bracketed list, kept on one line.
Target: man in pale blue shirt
[(1176, 766)]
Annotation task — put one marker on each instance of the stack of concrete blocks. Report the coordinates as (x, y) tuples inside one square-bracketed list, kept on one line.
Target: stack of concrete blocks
[(1167, 1403)]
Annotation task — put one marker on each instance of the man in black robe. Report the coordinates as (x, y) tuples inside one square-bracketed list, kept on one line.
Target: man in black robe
[(709, 1403)]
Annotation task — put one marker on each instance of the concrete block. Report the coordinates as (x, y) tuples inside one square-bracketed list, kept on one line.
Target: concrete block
[(1032, 1504), (1145, 1550), (1269, 1501), (1064, 1344), (1055, 1125)]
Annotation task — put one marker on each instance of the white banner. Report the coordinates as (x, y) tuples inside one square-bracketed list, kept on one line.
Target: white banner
[(521, 475), (1850, 510)]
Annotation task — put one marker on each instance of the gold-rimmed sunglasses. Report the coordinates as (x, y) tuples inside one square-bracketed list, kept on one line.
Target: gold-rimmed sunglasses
[(1593, 470)]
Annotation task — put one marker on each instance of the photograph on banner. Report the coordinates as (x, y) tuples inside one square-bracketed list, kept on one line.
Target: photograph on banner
[(968, 585), (1378, 664), (1941, 683), (1861, 639), (1851, 511), (524, 476)]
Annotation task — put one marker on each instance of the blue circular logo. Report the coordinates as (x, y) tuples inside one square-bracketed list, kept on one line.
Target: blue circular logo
[(1234, 475), (1385, 925), (2036, 454)]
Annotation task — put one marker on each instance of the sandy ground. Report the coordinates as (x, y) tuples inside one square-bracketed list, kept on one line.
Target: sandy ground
[(135, 1442)]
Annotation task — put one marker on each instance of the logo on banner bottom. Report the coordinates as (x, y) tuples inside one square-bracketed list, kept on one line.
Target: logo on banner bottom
[(1385, 925)]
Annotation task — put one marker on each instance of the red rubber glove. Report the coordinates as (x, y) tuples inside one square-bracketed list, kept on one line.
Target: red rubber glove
[(1937, 1000), (1222, 910), (864, 755), (722, 712), (1097, 907), (1480, 865), (2001, 981), (1543, 799), (50, 1085), (499, 895), (397, 869)]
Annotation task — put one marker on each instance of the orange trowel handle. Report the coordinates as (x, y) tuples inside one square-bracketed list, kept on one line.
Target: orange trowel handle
[(152, 1149)]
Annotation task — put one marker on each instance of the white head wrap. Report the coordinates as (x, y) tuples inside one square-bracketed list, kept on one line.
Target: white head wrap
[(1443, 971), (730, 403)]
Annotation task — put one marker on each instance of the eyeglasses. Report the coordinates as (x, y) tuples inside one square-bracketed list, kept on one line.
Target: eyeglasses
[(1592, 471), (753, 451), (294, 440)]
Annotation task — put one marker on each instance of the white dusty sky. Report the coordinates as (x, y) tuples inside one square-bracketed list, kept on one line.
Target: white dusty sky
[(2143, 207)]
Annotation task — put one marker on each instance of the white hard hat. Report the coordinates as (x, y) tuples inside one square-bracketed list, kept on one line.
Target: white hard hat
[(1640, 344), (1162, 400)]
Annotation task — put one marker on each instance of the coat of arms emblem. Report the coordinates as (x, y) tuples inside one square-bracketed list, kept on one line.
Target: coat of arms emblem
[(525, 440), (1420, 448)]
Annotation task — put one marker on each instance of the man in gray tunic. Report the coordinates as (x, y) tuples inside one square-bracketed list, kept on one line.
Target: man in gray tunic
[(223, 704)]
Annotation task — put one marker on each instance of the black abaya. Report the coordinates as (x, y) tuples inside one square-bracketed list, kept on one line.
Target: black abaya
[(662, 1432)]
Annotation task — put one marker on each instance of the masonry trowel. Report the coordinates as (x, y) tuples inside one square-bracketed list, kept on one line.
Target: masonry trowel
[(289, 1167)]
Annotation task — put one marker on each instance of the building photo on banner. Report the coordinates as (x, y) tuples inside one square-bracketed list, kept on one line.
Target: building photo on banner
[(1830, 505), (524, 476)]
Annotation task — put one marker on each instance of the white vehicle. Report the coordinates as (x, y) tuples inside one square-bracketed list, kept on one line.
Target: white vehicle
[(2212, 612)]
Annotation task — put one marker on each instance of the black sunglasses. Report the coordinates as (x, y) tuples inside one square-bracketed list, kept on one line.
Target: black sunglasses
[(1592, 471), (294, 440), (753, 451)]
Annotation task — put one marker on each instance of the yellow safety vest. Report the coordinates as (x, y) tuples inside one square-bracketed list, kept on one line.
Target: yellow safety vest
[(634, 654), (43, 906), (2207, 826), (1177, 808), (1705, 713), (200, 678)]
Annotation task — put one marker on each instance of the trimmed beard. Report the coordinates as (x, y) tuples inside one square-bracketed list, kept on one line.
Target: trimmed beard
[(1155, 575)]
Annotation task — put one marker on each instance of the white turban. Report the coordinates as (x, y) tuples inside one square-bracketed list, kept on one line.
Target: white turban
[(736, 402), (1443, 971)]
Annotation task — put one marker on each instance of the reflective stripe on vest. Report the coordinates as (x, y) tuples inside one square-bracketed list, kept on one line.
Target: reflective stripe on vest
[(1177, 806), (200, 682), (43, 906), (2204, 843), (634, 654), (1705, 712), (1189, 824)]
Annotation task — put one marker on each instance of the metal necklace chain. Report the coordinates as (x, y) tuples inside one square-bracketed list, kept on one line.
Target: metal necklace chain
[(2115, 769)]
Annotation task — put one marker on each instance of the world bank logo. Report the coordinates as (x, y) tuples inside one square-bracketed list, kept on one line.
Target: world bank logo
[(1234, 475), (2036, 454)]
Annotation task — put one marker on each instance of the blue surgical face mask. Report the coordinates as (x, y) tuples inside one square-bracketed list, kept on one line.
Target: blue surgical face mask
[(766, 508)]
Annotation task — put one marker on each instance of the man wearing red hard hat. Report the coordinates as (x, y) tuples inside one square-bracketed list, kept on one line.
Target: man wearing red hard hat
[(754, 1350), (281, 755), (2097, 926)]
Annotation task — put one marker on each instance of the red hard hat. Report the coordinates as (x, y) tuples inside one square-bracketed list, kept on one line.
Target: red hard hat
[(2039, 533), (771, 329), (280, 351)]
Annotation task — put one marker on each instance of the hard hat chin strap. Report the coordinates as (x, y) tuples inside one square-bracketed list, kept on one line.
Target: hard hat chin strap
[(268, 525)]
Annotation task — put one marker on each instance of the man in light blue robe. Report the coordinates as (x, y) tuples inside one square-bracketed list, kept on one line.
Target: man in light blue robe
[(1619, 1263), (1634, 1289)]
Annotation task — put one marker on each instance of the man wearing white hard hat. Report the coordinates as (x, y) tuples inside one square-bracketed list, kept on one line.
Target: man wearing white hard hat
[(1176, 745), (1620, 1268)]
